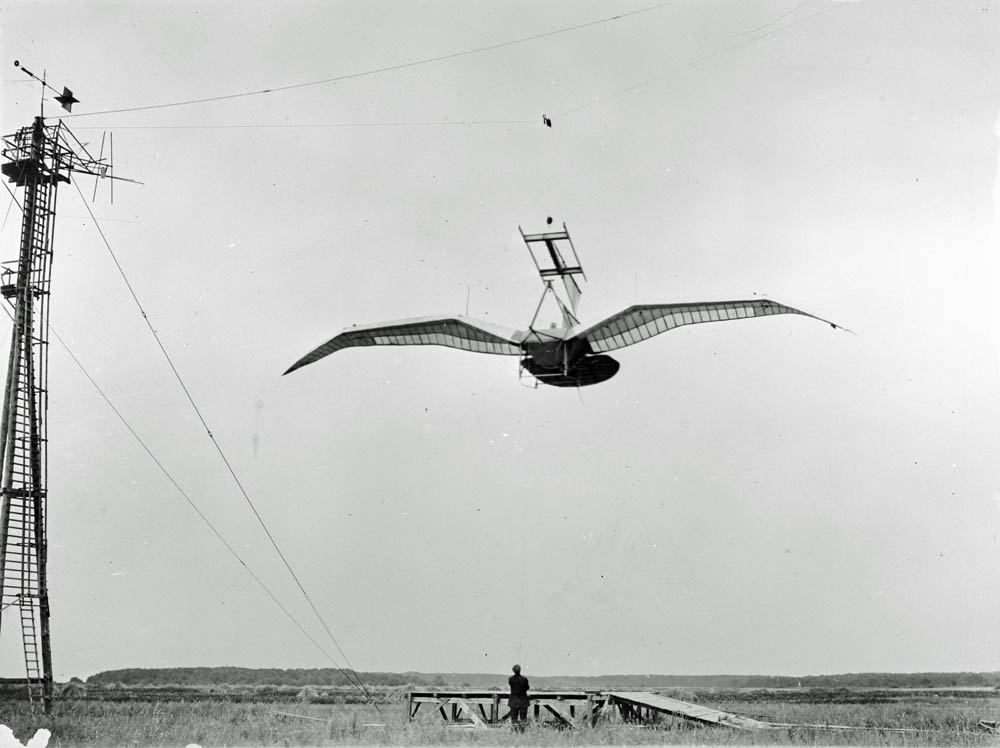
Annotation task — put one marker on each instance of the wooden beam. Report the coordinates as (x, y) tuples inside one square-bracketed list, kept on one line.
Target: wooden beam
[(561, 717), (469, 711)]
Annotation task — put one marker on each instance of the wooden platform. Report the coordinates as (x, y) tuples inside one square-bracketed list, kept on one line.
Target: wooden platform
[(570, 708), (644, 704), (489, 708)]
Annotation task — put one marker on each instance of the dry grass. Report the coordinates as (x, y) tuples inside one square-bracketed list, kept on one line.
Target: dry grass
[(88, 722)]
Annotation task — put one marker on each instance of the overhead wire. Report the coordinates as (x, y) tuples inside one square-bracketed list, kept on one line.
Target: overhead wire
[(378, 71), (773, 20), (215, 443), (286, 125), (698, 61), (467, 122), (349, 674)]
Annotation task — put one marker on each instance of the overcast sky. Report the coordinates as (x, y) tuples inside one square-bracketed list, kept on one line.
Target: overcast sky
[(765, 496)]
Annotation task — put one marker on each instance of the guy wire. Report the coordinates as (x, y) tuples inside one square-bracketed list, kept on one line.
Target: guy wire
[(218, 447), (186, 497)]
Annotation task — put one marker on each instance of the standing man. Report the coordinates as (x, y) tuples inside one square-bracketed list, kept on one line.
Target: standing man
[(518, 700)]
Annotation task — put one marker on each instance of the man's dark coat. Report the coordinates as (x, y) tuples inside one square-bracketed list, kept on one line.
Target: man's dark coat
[(518, 691)]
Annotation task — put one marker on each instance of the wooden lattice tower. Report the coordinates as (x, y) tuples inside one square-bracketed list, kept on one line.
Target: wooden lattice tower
[(36, 158)]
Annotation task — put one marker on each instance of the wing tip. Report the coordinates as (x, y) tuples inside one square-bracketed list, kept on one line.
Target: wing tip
[(835, 326)]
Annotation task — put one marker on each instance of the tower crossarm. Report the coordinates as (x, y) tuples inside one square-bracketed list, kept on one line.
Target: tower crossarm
[(47, 152)]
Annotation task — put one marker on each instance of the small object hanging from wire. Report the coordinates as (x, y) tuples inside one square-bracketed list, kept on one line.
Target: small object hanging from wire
[(547, 120)]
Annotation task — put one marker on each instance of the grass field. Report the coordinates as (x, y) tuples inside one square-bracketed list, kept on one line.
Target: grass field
[(229, 719)]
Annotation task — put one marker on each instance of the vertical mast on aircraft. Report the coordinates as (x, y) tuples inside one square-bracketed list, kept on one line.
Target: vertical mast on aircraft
[(559, 260)]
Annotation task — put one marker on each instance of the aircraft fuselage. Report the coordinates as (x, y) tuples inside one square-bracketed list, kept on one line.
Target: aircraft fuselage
[(565, 363)]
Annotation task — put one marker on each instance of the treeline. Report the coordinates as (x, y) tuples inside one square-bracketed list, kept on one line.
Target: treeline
[(240, 676), (214, 676), (845, 680), (652, 682)]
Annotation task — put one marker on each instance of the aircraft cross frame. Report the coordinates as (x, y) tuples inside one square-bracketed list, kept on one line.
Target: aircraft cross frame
[(558, 260)]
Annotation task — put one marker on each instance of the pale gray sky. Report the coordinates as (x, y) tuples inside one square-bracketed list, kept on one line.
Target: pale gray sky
[(768, 496)]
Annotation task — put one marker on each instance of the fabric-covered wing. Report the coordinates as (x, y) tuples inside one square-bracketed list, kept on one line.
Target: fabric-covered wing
[(454, 332), (642, 321)]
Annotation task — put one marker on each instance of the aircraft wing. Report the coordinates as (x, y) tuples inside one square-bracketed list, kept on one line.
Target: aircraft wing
[(454, 332), (643, 321)]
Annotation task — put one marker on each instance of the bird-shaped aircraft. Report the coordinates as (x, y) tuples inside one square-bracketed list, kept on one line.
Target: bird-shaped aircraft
[(573, 355)]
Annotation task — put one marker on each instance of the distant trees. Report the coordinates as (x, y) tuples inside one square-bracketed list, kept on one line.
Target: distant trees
[(75, 689), (213, 676), (329, 677)]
